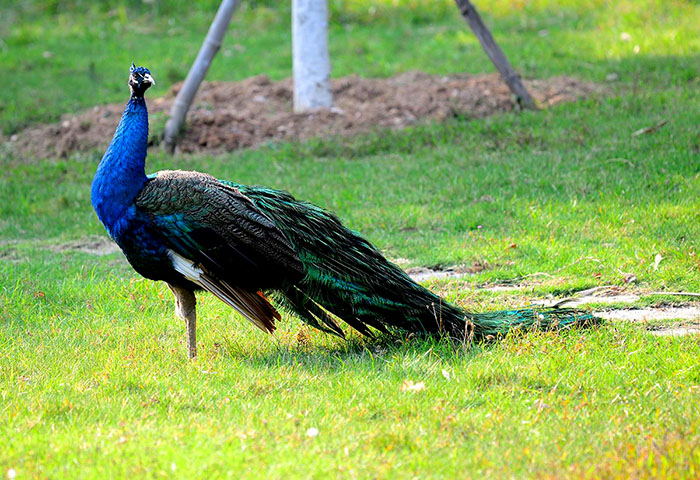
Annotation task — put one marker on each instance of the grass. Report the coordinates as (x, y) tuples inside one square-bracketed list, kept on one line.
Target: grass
[(94, 381)]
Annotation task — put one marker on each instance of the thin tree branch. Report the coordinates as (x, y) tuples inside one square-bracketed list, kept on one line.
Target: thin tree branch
[(495, 53), (197, 72)]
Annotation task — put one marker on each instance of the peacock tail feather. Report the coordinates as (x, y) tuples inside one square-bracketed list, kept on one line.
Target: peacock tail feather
[(348, 278)]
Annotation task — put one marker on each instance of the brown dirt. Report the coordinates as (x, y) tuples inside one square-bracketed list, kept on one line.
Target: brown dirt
[(94, 245), (688, 314), (423, 274), (227, 116)]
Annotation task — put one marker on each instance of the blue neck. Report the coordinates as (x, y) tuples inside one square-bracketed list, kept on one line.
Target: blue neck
[(121, 174)]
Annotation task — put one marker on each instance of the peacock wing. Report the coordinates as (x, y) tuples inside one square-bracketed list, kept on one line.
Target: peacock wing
[(345, 274), (218, 239)]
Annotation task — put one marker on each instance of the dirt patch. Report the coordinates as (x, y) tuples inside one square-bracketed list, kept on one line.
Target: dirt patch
[(677, 331), (227, 116), (94, 245), (652, 314), (596, 295), (423, 274), (586, 299), (615, 294)]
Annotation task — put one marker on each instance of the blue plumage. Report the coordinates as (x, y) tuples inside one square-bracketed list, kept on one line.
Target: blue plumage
[(244, 243), (121, 176)]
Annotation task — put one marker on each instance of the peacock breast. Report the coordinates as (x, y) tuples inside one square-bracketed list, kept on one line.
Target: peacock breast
[(143, 246)]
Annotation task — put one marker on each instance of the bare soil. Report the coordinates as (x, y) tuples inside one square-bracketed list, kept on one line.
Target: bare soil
[(687, 314), (423, 274), (94, 245), (227, 116)]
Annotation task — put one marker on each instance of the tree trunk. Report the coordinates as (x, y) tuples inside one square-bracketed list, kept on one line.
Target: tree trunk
[(311, 62), (198, 71), (494, 52)]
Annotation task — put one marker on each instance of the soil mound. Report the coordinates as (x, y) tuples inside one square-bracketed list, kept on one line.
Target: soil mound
[(226, 115)]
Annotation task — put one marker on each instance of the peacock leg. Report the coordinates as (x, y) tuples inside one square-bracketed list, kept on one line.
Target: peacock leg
[(185, 308)]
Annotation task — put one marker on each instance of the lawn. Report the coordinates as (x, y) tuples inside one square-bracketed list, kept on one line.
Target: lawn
[(94, 379)]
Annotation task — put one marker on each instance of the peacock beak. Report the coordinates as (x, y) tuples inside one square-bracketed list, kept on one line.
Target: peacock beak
[(148, 78)]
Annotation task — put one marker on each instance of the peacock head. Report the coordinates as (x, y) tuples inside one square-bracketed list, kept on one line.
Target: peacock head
[(139, 80)]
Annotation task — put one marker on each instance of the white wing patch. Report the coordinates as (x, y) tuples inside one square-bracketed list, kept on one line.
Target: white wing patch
[(251, 305), (186, 267)]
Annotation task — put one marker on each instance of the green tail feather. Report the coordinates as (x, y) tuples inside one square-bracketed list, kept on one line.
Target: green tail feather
[(544, 318), (347, 278)]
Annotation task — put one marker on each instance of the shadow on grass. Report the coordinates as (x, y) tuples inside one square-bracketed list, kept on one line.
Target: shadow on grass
[(408, 352), (373, 353)]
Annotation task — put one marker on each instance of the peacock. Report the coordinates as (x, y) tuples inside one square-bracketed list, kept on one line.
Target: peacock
[(261, 250)]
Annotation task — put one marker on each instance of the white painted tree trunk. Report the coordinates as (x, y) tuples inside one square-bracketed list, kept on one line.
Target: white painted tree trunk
[(311, 62)]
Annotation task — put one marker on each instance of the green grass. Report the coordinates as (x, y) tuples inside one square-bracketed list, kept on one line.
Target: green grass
[(94, 381)]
